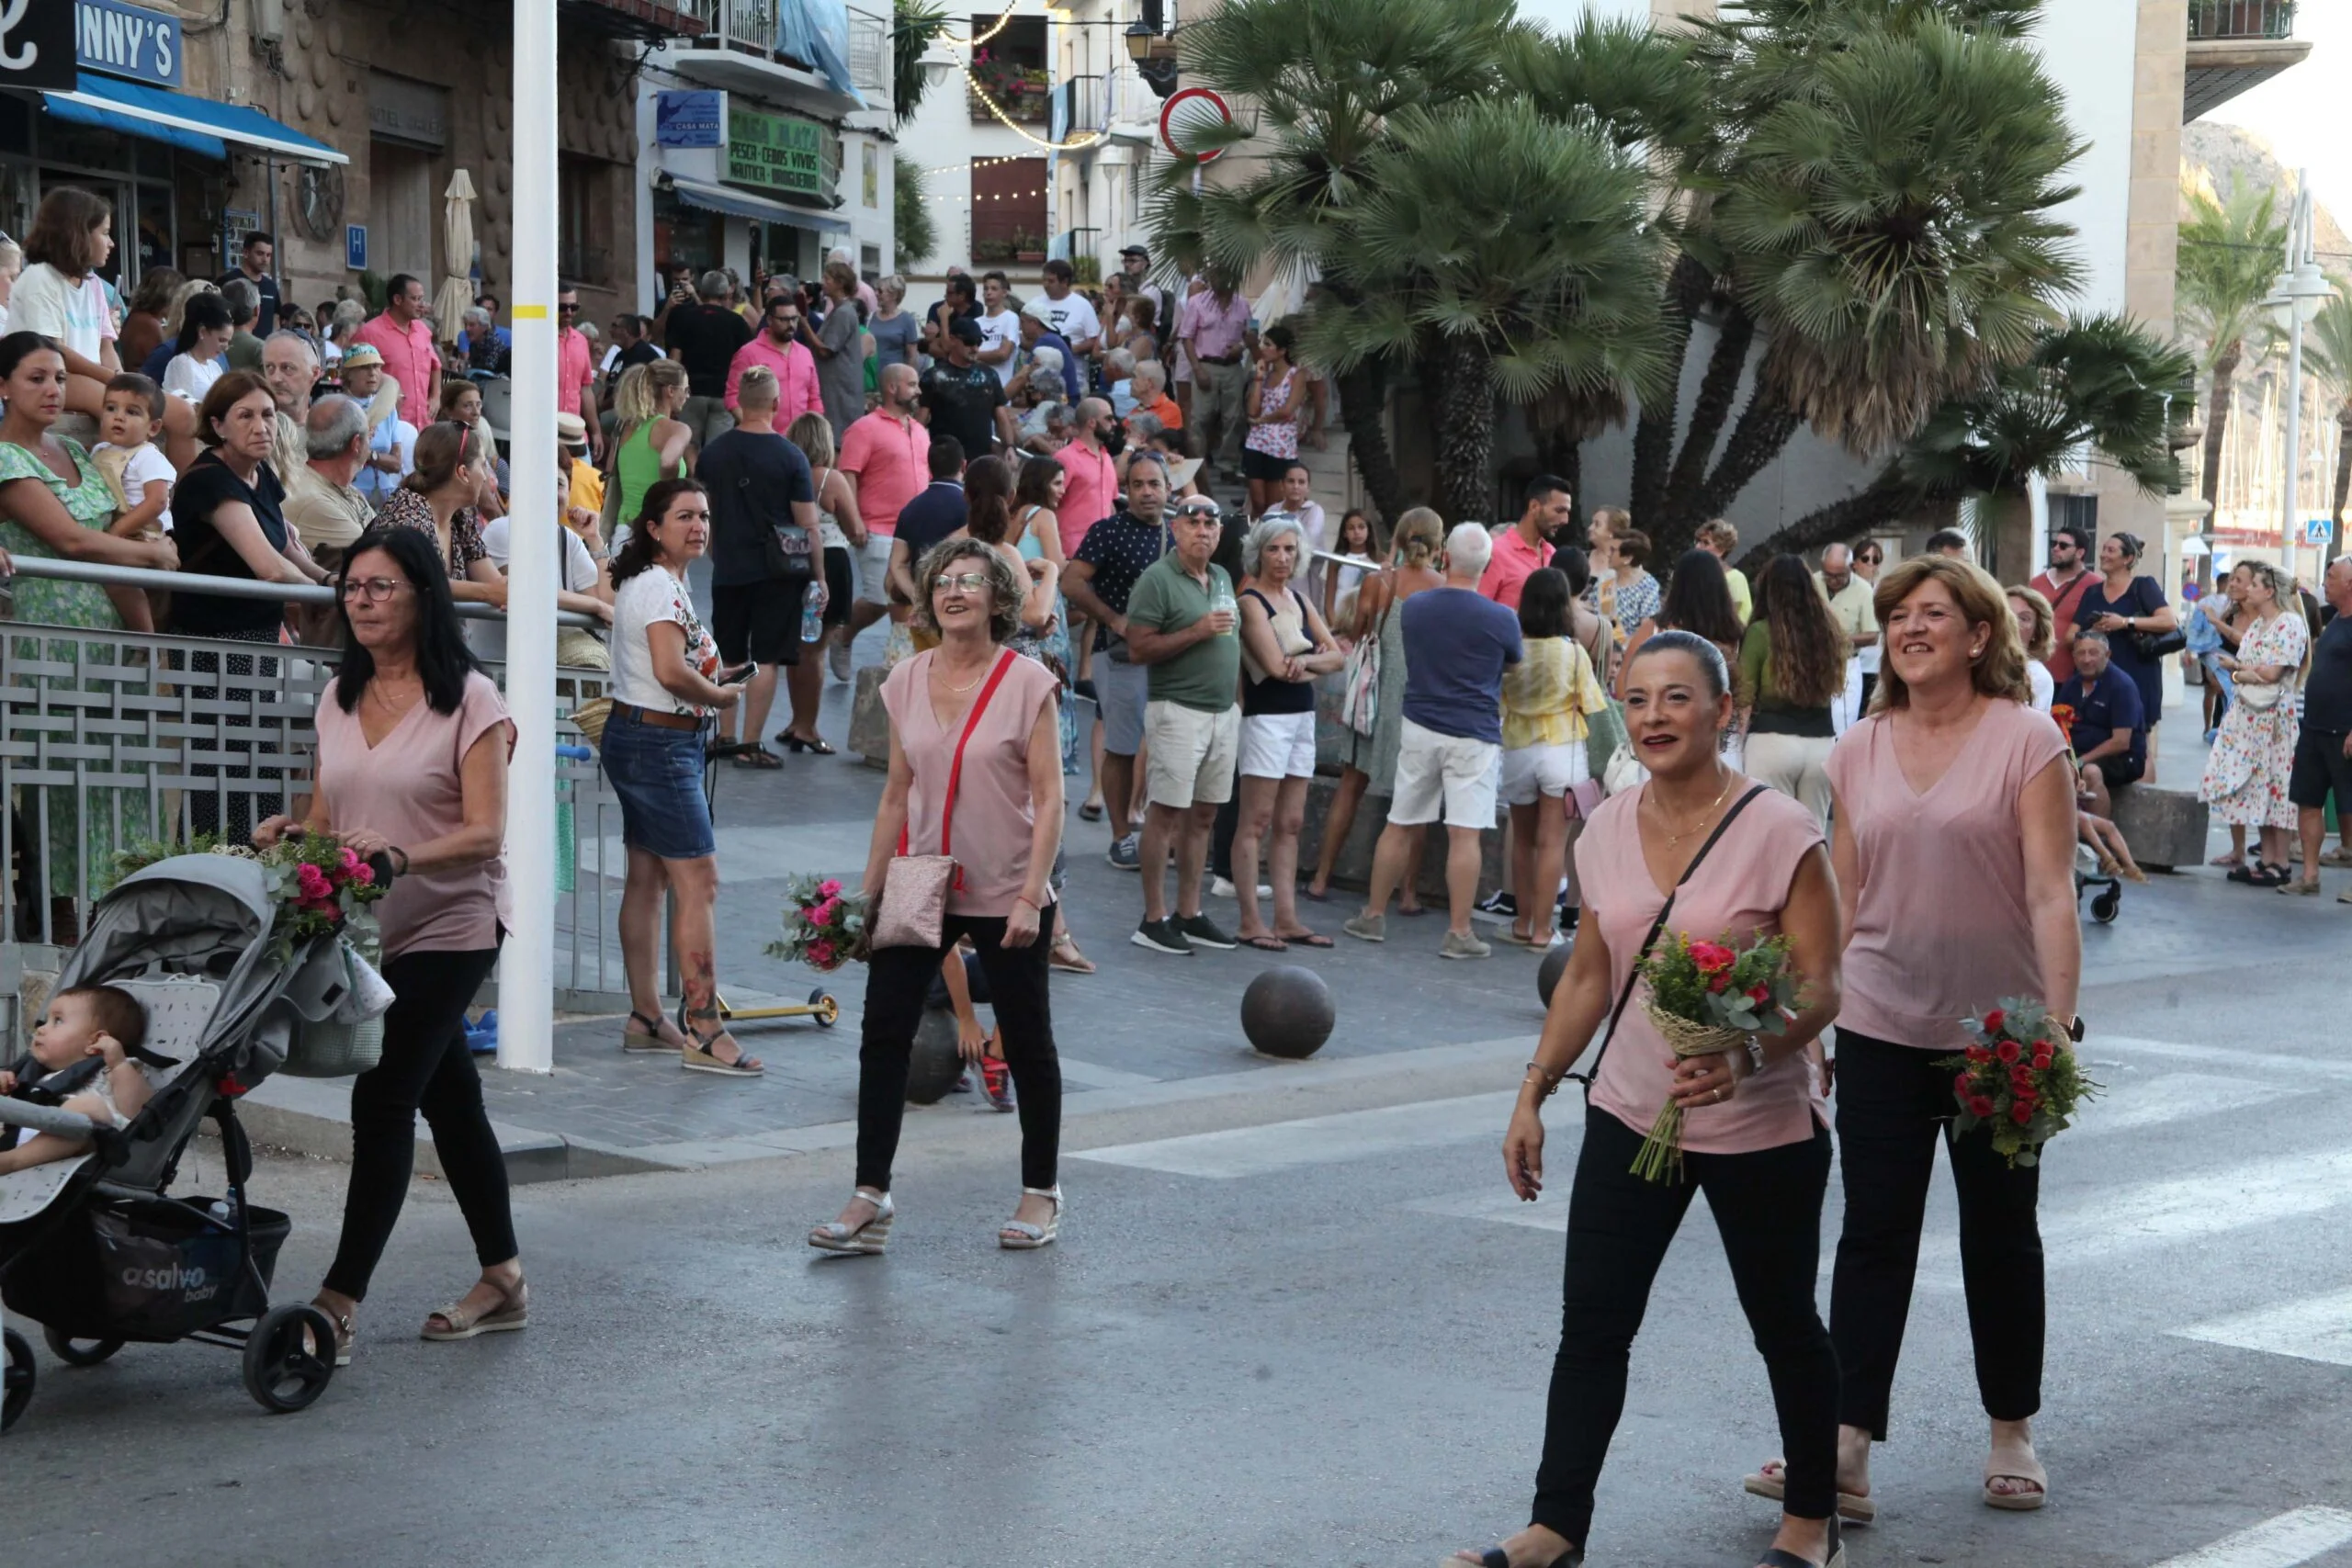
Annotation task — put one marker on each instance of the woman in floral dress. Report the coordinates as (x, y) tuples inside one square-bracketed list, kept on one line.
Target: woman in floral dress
[(2245, 775), (54, 504)]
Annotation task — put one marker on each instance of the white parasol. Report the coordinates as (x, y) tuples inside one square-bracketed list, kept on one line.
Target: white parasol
[(457, 294)]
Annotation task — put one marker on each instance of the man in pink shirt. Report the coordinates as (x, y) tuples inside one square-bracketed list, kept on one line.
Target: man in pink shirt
[(1090, 492), (575, 364), (405, 338), (1526, 545), (887, 455), (778, 347), (1216, 324)]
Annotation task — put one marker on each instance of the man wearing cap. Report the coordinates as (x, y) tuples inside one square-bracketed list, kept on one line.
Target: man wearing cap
[(392, 440), (778, 347), (587, 482), (964, 397)]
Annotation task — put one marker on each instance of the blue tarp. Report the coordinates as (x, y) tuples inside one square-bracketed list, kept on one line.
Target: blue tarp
[(197, 125), (818, 31)]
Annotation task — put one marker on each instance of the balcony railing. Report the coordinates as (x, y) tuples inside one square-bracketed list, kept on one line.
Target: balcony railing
[(869, 55), (1023, 92), (2242, 18), (1078, 107)]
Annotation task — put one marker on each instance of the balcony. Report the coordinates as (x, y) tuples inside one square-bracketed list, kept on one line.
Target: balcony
[(1080, 108), (646, 19), (759, 46), (1023, 92), (2234, 45)]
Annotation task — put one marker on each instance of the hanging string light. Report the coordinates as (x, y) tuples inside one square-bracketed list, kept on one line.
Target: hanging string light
[(977, 40), (1085, 139)]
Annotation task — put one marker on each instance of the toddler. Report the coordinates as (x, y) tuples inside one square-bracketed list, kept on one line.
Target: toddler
[(105, 1021), (140, 476)]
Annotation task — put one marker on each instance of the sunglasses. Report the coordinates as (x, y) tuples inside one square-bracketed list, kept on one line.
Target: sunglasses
[(1870, 558), (571, 310), (969, 581)]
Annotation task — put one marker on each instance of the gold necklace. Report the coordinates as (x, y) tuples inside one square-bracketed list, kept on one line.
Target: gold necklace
[(1673, 839), (959, 691)]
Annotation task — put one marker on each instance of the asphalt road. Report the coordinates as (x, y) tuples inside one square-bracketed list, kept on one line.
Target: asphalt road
[(1294, 1319)]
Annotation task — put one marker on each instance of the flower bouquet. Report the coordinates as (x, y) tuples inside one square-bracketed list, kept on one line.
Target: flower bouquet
[(319, 886), (823, 926), (1707, 997), (2020, 1077)]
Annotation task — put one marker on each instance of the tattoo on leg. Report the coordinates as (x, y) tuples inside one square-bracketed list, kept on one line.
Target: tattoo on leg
[(701, 985)]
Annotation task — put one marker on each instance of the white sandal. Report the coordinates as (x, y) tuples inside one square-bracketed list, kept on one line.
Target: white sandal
[(867, 1240), (1020, 1236)]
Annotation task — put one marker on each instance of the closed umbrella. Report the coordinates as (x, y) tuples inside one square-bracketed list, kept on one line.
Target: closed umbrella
[(457, 293)]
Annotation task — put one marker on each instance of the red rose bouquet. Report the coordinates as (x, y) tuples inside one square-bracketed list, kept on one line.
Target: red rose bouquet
[(1707, 997), (823, 926), (2018, 1077)]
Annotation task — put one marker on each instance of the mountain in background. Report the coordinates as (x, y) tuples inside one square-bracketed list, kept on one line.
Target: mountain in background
[(2214, 155)]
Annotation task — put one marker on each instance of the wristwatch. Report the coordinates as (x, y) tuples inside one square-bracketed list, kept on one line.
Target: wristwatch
[(1755, 1055)]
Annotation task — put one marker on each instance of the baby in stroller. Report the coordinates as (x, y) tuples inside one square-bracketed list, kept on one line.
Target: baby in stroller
[(84, 1058)]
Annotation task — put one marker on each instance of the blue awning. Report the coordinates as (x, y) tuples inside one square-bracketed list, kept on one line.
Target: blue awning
[(743, 204), (197, 125)]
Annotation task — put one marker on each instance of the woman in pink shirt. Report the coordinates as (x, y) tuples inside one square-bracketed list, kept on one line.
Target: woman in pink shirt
[(1735, 861), (999, 814), (411, 765), (1955, 851)]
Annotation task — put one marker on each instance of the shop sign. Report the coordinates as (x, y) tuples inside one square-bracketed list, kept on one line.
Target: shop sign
[(775, 151), (399, 109), (355, 246), (36, 45), (689, 118), (122, 40)]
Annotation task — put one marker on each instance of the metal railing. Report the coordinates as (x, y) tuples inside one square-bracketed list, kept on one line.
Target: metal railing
[(2242, 18), (1078, 107), (111, 739), (870, 62)]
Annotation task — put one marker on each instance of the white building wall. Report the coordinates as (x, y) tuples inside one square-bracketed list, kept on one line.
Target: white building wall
[(944, 139)]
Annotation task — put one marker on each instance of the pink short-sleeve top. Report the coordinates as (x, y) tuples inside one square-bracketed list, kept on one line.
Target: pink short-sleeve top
[(1941, 930), (994, 813), (1735, 895), (409, 787)]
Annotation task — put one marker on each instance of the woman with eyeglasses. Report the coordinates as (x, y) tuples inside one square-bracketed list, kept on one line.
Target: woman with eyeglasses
[(2128, 606), (976, 773), (442, 496), (413, 740)]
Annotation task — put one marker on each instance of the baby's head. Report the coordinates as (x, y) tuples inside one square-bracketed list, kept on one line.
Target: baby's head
[(76, 1019), (134, 406)]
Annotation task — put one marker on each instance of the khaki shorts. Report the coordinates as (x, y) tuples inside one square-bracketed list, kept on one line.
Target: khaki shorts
[(1193, 754), (1444, 775)]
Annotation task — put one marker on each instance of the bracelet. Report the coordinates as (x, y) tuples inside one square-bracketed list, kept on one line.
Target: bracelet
[(1025, 899), (402, 869), (1551, 1081)]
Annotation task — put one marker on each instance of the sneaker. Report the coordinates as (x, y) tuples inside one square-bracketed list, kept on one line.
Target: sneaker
[(1459, 946), (2337, 855), (1499, 902), (1126, 854), (1161, 936), (837, 656), (1368, 928), (1201, 931), (1222, 887)]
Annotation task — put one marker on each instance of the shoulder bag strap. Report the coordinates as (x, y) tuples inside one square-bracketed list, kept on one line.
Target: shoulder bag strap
[(955, 768), (1634, 976)]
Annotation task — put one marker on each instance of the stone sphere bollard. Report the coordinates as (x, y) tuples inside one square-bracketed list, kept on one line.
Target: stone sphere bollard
[(1287, 1012), (936, 1065), (1547, 973)]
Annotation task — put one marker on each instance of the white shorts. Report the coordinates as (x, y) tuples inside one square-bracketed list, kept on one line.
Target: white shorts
[(1444, 775), (1278, 746), (1191, 754), (873, 570), (1533, 773)]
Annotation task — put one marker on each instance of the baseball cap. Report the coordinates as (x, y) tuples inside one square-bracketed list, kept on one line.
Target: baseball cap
[(962, 329), (1136, 251)]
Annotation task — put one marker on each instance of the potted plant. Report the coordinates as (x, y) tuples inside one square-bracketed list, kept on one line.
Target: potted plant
[(1028, 245)]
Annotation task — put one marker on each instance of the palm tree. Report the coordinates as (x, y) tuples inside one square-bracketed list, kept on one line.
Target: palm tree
[(1510, 251), (2231, 251), (915, 23), (2327, 347)]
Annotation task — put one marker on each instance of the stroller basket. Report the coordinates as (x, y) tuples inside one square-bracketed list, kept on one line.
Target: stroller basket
[(147, 1269)]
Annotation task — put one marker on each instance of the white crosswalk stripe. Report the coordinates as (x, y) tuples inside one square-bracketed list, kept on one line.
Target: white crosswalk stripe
[(2317, 1329), (1317, 1140), (2283, 1542)]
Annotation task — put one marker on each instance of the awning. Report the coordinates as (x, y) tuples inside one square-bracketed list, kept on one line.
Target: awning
[(197, 125), (743, 204)]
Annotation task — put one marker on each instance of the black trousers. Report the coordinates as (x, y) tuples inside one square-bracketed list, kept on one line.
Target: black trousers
[(425, 1067), (1767, 1210), (898, 980), (1893, 1104)]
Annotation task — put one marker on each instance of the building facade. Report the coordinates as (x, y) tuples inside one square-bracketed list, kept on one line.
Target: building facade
[(1102, 188), (980, 140), (765, 144)]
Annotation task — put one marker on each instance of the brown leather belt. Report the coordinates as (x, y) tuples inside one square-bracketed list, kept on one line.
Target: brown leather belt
[(657, 718)]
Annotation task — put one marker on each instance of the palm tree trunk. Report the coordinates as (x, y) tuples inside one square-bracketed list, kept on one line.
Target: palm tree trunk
[(2343, 481), (1885, 498), (1764, 427), (1686, 291), (1465, 432), (1717, 391), (2217, 420), (1363, 414)]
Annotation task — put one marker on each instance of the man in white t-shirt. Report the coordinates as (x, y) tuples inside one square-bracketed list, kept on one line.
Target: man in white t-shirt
[(1000, 326), (1070, 314)]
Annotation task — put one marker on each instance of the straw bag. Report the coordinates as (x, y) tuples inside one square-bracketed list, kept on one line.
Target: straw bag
[(912, 909)]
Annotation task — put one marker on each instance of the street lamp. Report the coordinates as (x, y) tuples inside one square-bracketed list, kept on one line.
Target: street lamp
[(2295, 298)]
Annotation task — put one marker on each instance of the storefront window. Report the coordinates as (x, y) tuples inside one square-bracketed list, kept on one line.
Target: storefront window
[(686, 236)]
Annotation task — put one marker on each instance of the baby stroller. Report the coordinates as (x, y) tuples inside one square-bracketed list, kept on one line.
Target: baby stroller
[(94, 1249)]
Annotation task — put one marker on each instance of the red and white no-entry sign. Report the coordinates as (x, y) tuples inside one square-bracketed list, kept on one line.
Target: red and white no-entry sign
[(1185, 116)]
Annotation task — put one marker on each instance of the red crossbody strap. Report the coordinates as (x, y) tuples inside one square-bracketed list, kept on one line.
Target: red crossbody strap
[(955, 768)]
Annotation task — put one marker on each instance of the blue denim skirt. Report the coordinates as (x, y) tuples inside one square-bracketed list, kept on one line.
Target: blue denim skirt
[(658, 775)]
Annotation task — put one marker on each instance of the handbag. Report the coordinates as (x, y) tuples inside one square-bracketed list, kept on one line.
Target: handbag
[(2154, 646), (1360, 682), (912, 909), (1634, 976), (2262, 696)]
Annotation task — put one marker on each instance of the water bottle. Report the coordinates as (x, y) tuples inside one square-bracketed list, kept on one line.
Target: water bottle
[(812, 613), (224, 1213)]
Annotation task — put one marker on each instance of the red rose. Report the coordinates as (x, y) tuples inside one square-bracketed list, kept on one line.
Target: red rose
[(2041, 1060), (1962, 1084), (1980, 1054), (2021, 1112), (1760, 995), (2008, 1050), (1712, 957), (1993, 1020), (1980, 1106)]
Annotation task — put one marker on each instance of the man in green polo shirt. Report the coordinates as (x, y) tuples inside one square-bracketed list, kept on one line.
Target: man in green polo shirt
[(1182, 627)]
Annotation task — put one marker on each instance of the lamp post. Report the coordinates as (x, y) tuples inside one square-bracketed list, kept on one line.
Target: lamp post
[(2295, 298)]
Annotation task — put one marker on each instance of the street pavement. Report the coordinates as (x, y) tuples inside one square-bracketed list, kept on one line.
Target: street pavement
[(1295, 1318)]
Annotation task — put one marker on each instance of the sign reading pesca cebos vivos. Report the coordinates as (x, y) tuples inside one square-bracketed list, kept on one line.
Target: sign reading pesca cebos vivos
[(123, 41)]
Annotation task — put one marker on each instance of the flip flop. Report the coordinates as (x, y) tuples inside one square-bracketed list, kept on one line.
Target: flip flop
[(1415, 913), (1054, 959), (2016, 1502), (1268, 943), (1307, 892), (1305, 939), (1090, 811)]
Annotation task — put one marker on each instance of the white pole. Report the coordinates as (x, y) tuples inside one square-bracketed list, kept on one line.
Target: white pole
[(527, 969)]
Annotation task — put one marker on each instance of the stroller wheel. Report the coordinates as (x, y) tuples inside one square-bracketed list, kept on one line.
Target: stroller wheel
[(290, 1357), (78, 1352), (16, 1380), (2105, 906)]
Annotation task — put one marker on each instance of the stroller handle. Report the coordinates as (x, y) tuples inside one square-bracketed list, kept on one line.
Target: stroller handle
[(45, 1119)]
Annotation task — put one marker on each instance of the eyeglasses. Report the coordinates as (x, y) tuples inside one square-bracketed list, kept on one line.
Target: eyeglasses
[(969, 581), (375, 590)]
